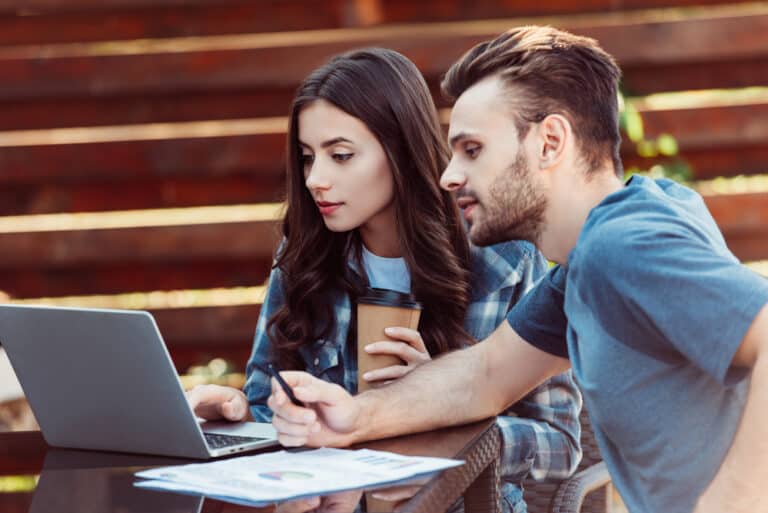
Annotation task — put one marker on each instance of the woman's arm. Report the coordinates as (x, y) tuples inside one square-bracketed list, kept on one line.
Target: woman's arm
[(257, 385), (540, 433)]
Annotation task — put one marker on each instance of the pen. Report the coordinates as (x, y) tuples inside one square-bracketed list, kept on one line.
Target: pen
[(284, 385)]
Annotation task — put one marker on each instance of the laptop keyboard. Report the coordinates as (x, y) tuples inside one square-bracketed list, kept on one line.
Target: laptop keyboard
[(217, 441)]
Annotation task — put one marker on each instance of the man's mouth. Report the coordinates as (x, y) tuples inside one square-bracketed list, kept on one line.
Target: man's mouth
[(467, 204)]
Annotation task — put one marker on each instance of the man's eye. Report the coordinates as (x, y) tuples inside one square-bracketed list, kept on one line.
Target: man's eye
[(472, 150), (342, 157)]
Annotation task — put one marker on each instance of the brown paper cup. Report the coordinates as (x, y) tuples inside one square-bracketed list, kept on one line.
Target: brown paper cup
[(376, 310)]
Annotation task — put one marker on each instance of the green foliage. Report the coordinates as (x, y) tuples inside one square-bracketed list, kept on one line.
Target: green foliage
[(661, 152)]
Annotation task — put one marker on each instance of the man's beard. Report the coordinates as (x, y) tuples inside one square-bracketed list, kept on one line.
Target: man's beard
[(514, 208)]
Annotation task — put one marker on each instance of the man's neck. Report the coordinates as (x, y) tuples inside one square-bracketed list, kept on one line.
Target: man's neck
[(572, 197)]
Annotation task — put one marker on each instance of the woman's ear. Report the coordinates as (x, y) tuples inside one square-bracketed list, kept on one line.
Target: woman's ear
[(554, 135)]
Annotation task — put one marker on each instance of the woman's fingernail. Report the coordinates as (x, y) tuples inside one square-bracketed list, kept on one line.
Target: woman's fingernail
[(367, 375), (389, 331)]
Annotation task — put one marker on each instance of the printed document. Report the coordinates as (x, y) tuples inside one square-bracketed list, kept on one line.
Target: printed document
[(277, 476)]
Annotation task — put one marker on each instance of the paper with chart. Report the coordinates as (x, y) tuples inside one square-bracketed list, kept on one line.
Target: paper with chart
[(278, 476)]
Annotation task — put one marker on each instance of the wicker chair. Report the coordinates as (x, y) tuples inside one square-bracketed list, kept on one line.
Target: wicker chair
[(587, 491)]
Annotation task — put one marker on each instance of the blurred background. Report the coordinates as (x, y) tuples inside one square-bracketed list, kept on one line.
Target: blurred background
[(142, 141)]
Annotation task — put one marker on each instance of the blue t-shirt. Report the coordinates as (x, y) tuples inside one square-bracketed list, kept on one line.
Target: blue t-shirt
[(651, 309)]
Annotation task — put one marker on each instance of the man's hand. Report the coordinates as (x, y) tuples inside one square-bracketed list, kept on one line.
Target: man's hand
[(215, 402), (328, 419)]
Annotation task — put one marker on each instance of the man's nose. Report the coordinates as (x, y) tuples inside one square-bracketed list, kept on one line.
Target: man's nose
[(452, 178)]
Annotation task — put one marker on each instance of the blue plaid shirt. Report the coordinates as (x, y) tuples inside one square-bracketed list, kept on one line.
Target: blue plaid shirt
[(540, 432)]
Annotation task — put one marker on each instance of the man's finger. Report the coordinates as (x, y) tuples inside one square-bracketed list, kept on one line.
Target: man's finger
[(289, 411), (291, 441), (286, 428)]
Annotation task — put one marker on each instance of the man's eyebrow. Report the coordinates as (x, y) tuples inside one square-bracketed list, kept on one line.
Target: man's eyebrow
[(455, 139)]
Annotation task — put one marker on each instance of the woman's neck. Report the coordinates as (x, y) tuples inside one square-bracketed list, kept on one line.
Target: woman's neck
[(380, 235)]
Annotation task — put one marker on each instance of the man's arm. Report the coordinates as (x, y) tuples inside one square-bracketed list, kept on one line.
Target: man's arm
[(460, 387), (739, 485)]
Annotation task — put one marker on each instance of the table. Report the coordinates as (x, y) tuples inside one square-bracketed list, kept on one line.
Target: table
[(88, 481)]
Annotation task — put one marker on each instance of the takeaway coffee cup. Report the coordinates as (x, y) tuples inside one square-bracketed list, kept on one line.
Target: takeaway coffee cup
[(378, 309)]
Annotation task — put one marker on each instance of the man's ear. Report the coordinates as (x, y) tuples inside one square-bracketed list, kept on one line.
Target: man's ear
[(554, 135)]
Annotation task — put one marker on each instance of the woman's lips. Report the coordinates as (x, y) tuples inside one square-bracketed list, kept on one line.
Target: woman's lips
[(327, 208)]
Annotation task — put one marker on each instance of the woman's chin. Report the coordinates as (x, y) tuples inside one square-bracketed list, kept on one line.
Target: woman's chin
[(338, 227)]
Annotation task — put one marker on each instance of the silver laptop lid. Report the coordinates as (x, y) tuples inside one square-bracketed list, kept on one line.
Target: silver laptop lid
[(100, 379)]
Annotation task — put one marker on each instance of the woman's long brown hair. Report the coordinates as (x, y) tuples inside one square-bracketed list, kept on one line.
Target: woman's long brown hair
[(386, 91)]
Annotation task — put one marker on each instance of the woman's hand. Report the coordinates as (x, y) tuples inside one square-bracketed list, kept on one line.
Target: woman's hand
[(407, 345), (216, 402)]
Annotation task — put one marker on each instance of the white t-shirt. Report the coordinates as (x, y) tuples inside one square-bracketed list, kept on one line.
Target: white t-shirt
[(387, 273)]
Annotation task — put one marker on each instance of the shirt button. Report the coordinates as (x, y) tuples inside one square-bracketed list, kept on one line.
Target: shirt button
[(317, 361)]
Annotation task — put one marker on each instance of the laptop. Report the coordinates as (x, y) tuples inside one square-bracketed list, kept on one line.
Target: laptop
[(103, 380)]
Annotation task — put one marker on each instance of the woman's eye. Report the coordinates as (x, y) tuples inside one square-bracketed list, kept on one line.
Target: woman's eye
[(342, 157)]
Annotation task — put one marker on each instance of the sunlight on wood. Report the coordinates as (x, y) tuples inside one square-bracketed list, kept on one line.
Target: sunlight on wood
[(733, 185), (138, 218), (760, 267), (144, 132), (701, 99), (158, 300)]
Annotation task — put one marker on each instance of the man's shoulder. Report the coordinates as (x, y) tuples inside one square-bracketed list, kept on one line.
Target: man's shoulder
[(637, 219)]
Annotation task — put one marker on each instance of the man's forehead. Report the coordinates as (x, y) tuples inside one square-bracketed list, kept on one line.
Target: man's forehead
[(486, 102)]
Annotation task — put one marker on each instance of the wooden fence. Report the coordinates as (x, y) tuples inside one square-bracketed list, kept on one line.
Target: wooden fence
[(130, 105)]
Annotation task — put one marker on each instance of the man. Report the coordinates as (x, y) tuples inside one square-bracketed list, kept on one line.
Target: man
[(661, 324)]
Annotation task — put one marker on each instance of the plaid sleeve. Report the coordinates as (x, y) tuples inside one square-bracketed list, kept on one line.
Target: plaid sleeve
[(257, 385), (540, 433)]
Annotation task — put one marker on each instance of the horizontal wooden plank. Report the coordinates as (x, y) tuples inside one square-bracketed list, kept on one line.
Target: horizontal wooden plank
[(696, 38), (42, 24), (16, 502), (106, 278), (226, 189), (388, 10), (24, 457), (738, 215), (196, 335), (678, 76), (706, 126), (259, 157), (743, 219), (715, 140), (707, 163), (63, 6), (145, 108), (406, 11), (47, 21), (145, 244)]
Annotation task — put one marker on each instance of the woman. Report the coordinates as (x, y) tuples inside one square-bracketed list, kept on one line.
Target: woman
[(365, 153)]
